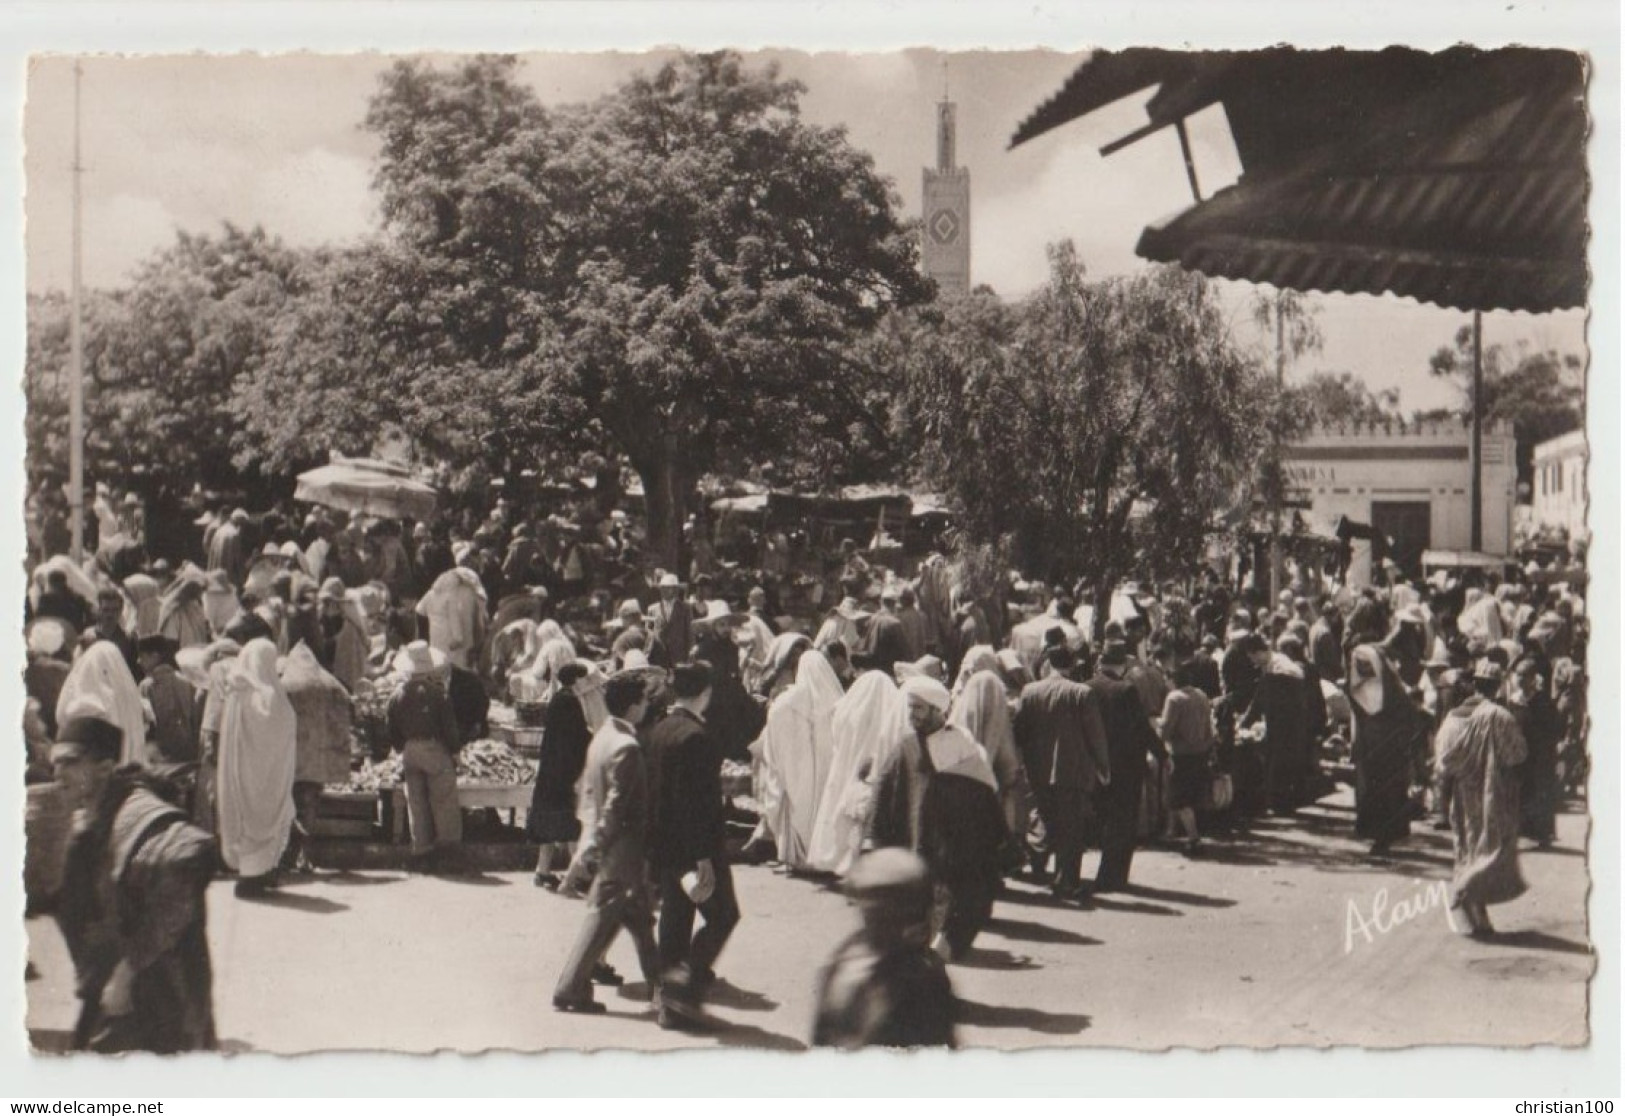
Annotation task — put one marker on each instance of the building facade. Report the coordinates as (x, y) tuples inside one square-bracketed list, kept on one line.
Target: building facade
[(1559, 493), (1413, 483), (945, 232)]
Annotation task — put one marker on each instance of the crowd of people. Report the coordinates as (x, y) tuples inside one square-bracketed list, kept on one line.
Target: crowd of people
[(919, 741)]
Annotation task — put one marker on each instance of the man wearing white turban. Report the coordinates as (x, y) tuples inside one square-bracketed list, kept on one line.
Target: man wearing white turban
[(935, 795)]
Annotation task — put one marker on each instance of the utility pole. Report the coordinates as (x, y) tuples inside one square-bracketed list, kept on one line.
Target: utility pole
[(76, 384), (1478, 431), (1276, 572)]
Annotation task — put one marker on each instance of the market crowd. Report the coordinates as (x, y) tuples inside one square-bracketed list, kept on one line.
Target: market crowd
[(919, 741)]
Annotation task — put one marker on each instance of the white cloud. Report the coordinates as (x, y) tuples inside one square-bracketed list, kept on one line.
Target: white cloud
[(119, 232), (313, 197)]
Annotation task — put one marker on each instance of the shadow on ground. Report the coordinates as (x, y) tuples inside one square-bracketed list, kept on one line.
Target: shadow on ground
[(973, 1014), (981, 957), (1018, 930), (310, 904)]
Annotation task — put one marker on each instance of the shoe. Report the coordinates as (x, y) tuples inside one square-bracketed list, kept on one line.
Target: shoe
[(549, 880), (673, 1018), (579, 1007), (607, 976), (701, 983)]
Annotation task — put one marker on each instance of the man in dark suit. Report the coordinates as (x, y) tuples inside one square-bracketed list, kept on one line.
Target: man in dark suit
[(686, 848), (616, 781), (1130, 738), (1063, 745)]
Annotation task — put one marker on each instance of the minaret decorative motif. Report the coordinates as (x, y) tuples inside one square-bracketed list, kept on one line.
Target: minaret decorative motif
[(945, 238)]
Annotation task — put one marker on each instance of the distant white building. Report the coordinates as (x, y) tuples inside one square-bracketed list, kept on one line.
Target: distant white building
[(1411, 482), (1559, 496)]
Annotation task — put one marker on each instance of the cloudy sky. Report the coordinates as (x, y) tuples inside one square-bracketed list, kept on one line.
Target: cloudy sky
[(189, 142)]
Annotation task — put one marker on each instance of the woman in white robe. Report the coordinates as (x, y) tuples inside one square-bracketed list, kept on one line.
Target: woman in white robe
[(1480, 622), (538, 682), (258, 757), (796, 748), (865, 723), (982, 709), (455, 608), (101, 685)]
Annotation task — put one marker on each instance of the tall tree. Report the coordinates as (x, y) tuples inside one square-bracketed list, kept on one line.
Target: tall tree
[(676, 270), (1096, 428), (1341, 399), (162, 357), (1541, 392)]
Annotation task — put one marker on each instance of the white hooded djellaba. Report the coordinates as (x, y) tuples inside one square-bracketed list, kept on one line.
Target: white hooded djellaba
[(866, 722), (796, 748), (258, 755), (101, 685)]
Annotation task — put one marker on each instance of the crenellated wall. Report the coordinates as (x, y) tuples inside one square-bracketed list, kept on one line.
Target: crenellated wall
[(1366, 471)]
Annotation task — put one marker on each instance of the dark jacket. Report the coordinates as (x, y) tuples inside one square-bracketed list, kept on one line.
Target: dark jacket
[(1130, 737), (43, 679), (565, 737), (1060, 734), (686, 777), (1326, 650), (421, 710), (1205, 672), (470, 704), (733, 719)]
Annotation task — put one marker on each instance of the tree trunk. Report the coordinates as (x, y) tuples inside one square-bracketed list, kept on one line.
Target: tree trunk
[(667, 486), (1104, 589)]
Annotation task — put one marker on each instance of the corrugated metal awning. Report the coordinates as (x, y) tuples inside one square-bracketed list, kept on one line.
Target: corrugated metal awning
[(1455, 178)]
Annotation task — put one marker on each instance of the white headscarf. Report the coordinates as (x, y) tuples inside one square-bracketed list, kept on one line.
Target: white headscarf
[(589, 690), (540, 680), (865, 725), (258, 755), (101, 685), (796, 748), (978, 658)]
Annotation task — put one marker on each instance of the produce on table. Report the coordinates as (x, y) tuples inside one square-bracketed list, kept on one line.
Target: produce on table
[(480, 763), (493, 763)]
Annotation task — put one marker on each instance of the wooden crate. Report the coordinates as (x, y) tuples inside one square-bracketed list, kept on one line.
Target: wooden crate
[(348, 829), (348, 805)]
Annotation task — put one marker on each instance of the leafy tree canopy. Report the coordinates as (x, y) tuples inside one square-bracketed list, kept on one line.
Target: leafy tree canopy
[(1096, 429)]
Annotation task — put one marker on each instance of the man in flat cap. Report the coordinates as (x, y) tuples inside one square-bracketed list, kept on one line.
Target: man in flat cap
[(131, 907)]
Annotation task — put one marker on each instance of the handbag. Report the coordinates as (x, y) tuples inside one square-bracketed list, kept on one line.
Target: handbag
[(1222, 792)]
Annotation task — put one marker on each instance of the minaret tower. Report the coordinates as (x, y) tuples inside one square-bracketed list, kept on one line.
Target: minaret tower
[(945, 241)]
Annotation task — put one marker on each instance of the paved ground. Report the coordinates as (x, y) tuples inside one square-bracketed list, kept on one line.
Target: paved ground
[(1259, 943)]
